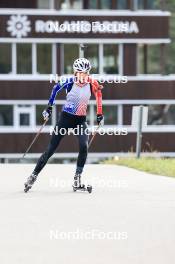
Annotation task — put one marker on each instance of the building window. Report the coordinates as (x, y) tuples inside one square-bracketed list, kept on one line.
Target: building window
[(153, 59), (91, 53), (141, 60), (24, 58), (149, 59), (122, 4), (110, 113), (110, 60), (71, 53), (43, 4), (100, 4), (24, 116), (93, 4), (88, 117), (6, 115), (24, 119), (161, 115), (105, 4), (108, 4), (148, 4), (44, 58), (69, 4), (5, 58)]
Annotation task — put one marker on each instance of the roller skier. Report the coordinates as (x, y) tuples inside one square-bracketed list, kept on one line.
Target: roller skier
[(79, 89)]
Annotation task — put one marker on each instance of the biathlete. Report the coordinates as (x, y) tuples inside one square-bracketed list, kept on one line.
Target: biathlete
[(79, 89)]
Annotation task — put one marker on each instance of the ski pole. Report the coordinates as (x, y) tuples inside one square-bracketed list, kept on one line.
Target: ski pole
[(37, 135), (95, 133)]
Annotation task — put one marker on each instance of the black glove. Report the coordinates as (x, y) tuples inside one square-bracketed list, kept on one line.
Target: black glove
[(99, 118), (47, 112)]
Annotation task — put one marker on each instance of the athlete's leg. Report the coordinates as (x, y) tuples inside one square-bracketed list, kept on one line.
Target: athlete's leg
[(54, 142), (83, 148), (64, 123)]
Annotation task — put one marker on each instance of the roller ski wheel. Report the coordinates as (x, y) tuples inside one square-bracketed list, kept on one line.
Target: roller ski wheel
[(77, 186), (89, 188), (74, 188), (83, 188), (27, 188)]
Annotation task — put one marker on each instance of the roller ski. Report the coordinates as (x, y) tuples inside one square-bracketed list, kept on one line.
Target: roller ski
[(29, 183), (77, 186)]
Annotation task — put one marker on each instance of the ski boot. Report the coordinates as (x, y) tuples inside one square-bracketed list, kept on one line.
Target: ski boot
[(80, 187), (30, 181)]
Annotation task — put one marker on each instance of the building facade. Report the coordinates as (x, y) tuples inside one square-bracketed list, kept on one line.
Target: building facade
[(125, 41)]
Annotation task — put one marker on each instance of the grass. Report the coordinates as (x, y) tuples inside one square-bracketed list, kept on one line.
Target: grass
[(159, 166)]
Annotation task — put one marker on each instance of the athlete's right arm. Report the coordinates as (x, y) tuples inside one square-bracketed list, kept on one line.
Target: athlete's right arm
[(57, 88), (48, 111)]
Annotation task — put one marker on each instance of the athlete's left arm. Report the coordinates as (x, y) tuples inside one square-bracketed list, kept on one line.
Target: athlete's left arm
[(96, 88)]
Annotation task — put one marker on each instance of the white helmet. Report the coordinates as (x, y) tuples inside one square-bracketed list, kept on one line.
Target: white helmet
[(81, 65)]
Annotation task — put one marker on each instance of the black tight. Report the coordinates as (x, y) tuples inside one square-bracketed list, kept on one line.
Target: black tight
[(66, 121)]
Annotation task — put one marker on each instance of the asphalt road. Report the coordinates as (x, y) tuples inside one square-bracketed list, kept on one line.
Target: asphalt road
[(129, 217)]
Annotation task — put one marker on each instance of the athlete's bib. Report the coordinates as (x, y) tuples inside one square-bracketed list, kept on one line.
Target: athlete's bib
[(77, 100)]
